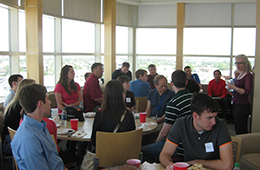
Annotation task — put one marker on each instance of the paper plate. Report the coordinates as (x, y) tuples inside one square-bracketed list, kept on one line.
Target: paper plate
[(65, 131)]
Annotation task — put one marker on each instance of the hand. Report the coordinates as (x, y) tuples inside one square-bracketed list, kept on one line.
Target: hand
[(231, 86), (170, 167)]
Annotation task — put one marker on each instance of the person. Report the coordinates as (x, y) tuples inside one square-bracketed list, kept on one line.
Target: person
[(12, 115), (204, 137), (140, 87), (242, 89), (151, 76), (92, 94), (13, 82), (193, 86), (217, 89), (177, 107), (67, 92), (158, 98), (130, 96), (87, 75), (112, 111), (32, 145), (194, 76), (124, 70)]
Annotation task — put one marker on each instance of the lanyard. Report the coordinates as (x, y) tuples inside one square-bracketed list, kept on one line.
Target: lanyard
[(159, 105), (238, 78), (12, 92)]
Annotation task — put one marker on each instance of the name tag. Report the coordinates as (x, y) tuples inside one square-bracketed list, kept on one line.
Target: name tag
[(209, 147), (128, 100)]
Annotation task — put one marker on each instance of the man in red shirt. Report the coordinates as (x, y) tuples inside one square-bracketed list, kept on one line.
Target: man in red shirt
[(217, 90)]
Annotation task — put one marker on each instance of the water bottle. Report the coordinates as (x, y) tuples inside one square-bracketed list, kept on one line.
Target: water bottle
[(237, 166), (81, 106), (64, 117)]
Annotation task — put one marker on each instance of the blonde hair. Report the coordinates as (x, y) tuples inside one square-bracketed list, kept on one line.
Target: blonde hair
[(248, 67), (20, 85)]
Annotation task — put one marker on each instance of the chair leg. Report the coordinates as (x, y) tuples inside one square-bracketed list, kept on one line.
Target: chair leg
[(141, 157), (95, 163)]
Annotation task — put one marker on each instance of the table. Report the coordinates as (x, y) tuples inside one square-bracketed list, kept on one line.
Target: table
[(160, 167), (152, 127)]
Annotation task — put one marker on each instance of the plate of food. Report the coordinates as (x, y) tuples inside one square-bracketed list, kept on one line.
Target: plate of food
[(89, 114), (65, 131), (196, 166)]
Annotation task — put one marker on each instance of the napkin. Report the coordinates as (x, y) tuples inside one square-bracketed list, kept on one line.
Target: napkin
[(148, 166), (79, 134)]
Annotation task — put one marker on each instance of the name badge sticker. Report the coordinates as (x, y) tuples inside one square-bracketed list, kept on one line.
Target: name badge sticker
[(209, 147), (128, 100)]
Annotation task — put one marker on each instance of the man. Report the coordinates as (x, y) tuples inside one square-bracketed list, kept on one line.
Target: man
[(151, 76), (177, 107), (92, 94), (13, 81), (194, 76), (87, 75), (217, 90), (204, 136), (124, 70), (32, 146), (158, 98), (140, 87)]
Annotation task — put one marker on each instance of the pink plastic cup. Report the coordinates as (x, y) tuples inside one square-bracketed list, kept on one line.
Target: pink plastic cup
[(134, 162), (142, 117), (74, 124), (181, 166)]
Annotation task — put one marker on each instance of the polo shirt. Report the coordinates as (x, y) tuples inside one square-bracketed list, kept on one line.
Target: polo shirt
[(199, 146), (140, 88), (195, 77), (150, 80), (118, 73), (91, 91), (34, 148), (217, 89), (159, 101), (129, 99)]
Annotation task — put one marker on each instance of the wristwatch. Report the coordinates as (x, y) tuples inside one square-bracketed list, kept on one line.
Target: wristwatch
[(236, 89)]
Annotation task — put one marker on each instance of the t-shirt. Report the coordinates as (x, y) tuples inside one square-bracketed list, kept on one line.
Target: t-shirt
[(130, 99), (118, 73), (140, 88), (217, 89)]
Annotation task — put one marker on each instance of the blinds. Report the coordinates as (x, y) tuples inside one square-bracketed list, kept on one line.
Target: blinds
[(11, 2), (125, 14), (86, 10), (245, 14), (159, 15), (52, 7)]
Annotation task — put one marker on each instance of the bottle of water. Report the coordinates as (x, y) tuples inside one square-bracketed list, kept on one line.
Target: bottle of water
[(81, 106), (237, 166), (64, 117)]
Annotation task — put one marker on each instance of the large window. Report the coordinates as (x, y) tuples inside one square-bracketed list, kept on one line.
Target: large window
[(4, 29), (48, 33), (49, 72), (4, 75), (121, 40), (22, 32), (23, 69)]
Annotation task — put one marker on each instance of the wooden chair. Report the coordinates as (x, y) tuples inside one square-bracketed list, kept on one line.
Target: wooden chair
[(3, 157), (115, 148), (12, 133), (236, 146), (141, 103)]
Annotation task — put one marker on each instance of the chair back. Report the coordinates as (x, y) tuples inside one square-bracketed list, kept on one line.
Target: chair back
[(115, 148), (12, 133), (236, 146), (141, 103)]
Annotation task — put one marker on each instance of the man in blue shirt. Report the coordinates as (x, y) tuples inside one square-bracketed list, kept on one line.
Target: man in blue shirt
[(32, 146), (194, 76), (140, 87)]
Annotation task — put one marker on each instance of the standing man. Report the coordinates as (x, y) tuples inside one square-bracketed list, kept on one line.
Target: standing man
[(32, 146), (92, 94), (194, 76), (217, 90), (151, 76), (13, 81), (204, 137), (140, 87), (124, 70)]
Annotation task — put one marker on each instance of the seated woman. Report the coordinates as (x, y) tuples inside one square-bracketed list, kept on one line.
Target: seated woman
[(112, 109), (67, 92), (12, 118)]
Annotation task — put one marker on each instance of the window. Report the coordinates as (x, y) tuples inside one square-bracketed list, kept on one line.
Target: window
[(49, 72), (23, 70), (48, 33), (22, 32), (4, 75), (4, 29), (121, 40)]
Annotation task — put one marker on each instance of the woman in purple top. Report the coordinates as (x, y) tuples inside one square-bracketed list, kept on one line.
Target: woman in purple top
[(242, 89)]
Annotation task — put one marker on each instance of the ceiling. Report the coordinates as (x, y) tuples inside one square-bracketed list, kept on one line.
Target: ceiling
[(165, 2)]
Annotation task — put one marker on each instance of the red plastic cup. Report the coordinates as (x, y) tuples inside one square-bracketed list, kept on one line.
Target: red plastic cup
[(134, 162), (74, 124), (181, 166), (142, 117)]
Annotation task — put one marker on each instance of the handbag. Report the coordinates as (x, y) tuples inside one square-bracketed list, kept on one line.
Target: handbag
[(75, 113)]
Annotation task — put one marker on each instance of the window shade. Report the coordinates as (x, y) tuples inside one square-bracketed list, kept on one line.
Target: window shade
[(52, 7), (245, 14), (125, 14)]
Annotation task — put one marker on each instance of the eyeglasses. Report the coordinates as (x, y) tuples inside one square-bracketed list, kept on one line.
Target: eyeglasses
[(239, 63)]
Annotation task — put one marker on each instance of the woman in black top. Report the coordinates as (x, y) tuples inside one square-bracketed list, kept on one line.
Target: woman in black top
[(112, 108)]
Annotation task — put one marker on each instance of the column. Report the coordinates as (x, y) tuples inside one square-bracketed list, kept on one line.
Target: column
[(180, 26)]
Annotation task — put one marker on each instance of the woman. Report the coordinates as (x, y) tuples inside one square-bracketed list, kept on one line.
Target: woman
[(13, 114), (242, 89), (112, 109), (67, 92)]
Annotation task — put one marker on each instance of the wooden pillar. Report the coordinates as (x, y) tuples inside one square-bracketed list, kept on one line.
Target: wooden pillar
[(256, 106), (34, 58), (180, 26), (110, 38)]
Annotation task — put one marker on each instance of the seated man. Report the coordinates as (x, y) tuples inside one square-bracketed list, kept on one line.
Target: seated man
[(177, 107), (194, 76), (129, 96), (13, 81), (124, 70), (217, 89), (158, 98), (32, 146), (151, 76), (92, 94), (140, 87), (204, 137)]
